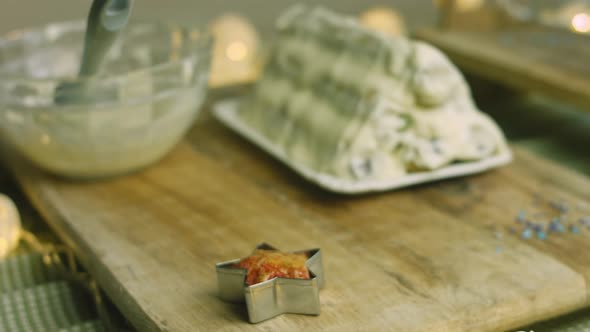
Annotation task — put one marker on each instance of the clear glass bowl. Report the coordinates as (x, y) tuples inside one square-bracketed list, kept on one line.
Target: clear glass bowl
[(153, 84)]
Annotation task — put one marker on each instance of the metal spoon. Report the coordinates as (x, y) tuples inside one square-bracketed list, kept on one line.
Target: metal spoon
[(107, 18)]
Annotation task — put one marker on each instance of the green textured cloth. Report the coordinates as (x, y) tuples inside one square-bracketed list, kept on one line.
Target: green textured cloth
[(48, 307), (24, 271), (34, 299)]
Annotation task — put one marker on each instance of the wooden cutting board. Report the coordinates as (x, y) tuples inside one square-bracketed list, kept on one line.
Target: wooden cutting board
[(420, 259)]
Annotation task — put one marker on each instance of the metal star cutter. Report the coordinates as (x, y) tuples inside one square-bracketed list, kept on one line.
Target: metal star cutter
[(276, 296)]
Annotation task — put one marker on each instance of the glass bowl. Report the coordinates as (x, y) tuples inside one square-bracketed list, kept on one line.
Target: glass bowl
[(148, 94)]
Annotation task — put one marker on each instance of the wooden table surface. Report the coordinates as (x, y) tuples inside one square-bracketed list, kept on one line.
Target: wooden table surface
[(421, 259), (533, 58)]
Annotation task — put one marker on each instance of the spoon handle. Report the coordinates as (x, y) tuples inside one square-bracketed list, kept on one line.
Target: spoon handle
[(105, 20)]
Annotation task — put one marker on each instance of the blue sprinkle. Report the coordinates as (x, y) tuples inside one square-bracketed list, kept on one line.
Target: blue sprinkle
[(574, 229), (499, 249), (527, 234), (556, 226), (541, 235), (538, 228), (499, 235)]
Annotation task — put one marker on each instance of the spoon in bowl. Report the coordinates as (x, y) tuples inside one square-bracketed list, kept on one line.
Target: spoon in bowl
[(107, 18)]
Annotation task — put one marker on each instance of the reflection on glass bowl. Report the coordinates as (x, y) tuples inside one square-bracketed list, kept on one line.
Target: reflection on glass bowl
[(150, 90)]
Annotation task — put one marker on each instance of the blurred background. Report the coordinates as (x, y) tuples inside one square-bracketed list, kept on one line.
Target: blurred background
[(417, 13), (550, 126), (251, 21), (19, 14)]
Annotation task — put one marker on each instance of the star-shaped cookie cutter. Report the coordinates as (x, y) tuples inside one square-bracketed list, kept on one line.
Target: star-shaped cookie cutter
[(276, 296)]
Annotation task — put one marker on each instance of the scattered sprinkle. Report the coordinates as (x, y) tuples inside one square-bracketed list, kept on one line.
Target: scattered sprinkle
[(560, 228), (527, 234), (547, 218), (499, 249), (556, 227)]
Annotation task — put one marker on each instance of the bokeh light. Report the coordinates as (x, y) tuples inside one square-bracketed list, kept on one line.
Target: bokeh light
[(461, 5), (581, 23), (9, 226), (385, 20), (235, 54), (236, 51), (573, 15)]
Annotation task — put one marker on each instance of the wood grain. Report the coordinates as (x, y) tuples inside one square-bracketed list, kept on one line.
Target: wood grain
[(421, 259), (545, 60)]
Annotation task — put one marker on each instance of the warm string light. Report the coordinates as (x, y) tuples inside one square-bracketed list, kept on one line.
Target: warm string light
[(235, 58), (574, 16), (9, 226), (236, 51), (581, 23), (461, 5), (385, 20)]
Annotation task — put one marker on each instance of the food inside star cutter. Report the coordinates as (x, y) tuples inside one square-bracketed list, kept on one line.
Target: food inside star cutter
[(272, 282), (341, 100), (264, 265)]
